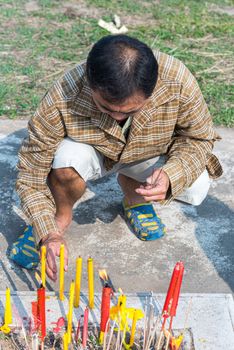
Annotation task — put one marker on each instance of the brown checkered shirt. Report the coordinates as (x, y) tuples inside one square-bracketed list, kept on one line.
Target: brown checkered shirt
[(175, 122)]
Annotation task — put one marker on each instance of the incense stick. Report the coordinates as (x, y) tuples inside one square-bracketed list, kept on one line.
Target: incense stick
[(35, 342), (187, 314), (155, 182), (150, 321), (159, 340), (118, 334), (153, 333), (168, 339), (111, 334), (77, 331), (145, 325), (124, 332), (24, 334), (105, 334)]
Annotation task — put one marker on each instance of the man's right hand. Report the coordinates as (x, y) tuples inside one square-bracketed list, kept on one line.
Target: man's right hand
[(52, 242)]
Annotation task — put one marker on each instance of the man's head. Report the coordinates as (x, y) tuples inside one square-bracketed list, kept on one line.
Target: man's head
[(122, 73)]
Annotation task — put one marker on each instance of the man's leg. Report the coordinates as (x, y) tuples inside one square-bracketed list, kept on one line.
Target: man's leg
[(74, 163), (133, 175), (67, 187), (140, 215), (128, 186)]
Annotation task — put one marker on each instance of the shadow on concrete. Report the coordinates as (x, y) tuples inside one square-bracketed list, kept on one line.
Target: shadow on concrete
[(105, 205), (214, 232)]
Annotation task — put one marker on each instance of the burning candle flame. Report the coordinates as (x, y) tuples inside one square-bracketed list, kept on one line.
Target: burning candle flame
[(103, 275)]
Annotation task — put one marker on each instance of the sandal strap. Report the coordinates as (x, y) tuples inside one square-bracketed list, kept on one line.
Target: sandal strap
[(143, 220), (24, 252)]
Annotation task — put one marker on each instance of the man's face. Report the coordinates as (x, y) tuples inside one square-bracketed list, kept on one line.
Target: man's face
[(121, 111)]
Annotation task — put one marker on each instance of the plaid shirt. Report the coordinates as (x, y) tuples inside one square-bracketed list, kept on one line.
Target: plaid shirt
[(175, 122)]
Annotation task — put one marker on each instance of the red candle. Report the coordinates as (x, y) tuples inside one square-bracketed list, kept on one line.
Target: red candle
[(170, 291), (105, 307), (177, 289), (171, 302), (85, 328), (41, 311)]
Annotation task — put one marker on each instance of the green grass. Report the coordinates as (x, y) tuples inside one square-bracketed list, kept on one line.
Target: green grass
[(37, 46)]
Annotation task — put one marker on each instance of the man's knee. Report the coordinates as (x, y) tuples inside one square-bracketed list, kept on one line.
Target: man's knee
[(196, 194), (83, 159), (63, 175)]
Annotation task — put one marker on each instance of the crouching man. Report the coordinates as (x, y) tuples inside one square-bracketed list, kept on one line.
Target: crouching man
[(126, 111)]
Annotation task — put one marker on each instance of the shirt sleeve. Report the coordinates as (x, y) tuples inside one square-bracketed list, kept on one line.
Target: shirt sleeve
[(193, 140), (45, 132)]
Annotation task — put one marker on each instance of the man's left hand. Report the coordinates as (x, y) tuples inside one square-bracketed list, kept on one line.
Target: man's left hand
[(156, 186)]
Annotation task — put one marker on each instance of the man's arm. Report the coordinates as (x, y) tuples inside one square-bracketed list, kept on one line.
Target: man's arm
[(45, 131), (191, 146), (193, 140)]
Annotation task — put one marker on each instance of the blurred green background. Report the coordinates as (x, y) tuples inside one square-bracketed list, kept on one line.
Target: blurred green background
[(42, 39)]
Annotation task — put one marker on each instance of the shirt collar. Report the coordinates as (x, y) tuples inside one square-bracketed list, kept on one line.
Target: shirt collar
[(161, 95)]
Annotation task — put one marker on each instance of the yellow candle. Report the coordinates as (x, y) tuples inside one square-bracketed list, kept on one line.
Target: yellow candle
[(65, 341), (91, 282), (78, 281), (122, 302), (7, 314), (70, 311), (133, 329), (122, 310), (101, 337), (61, 273), (43, 265)]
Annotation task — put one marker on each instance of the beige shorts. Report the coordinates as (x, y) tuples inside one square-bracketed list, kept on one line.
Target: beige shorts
[(88, 162)]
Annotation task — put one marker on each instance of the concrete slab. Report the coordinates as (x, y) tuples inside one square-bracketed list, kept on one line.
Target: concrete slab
[(211, 318), (200, 236)]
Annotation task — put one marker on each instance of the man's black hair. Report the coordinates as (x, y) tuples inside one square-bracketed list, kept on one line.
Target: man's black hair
[(119, 66)]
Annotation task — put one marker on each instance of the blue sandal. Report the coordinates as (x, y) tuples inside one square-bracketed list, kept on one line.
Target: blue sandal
[(144, 222), (24, 252)]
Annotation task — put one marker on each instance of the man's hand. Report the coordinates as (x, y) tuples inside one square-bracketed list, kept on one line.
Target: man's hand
[(53, 243), (156, 186)]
